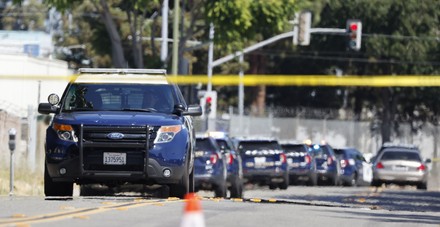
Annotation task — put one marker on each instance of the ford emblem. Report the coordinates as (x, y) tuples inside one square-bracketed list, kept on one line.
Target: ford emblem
[(115, 136)]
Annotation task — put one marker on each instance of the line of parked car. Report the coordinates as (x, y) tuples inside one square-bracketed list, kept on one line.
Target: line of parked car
[(225, 164)]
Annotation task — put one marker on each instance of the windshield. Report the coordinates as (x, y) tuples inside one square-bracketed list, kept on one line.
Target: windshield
[(117, 97), (294, 148), (401, 155), (204, 144)]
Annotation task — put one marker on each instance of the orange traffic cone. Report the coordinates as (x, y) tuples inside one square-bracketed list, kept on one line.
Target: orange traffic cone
[(192, 216)]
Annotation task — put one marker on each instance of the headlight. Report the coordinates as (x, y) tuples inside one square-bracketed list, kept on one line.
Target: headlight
[(166, 133), (65, 132)]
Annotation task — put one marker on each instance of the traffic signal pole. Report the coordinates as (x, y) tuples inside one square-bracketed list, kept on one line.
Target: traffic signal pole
[(295, 33)]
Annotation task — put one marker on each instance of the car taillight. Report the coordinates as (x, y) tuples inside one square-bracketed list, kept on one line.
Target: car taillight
[(230, 159), (421, 167), (344, 163), (213, 158), (283, 158), (308, 159), (379, 165)]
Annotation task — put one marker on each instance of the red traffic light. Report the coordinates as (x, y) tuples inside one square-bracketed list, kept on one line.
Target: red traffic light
[(208, 99), (353, 26)]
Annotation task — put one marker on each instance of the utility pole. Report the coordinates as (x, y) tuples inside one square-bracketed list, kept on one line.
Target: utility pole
[(176, 37), (210, 56), (164, 48)]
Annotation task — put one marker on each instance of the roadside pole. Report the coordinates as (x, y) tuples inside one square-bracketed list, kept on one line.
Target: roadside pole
[(11, 143)]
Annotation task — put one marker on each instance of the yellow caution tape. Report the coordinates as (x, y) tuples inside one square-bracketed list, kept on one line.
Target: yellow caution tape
[(280, 80)]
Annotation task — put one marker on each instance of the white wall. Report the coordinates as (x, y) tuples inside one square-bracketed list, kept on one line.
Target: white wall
[(20, 89)]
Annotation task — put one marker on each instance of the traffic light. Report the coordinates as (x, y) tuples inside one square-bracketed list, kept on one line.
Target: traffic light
[(354, 31), (208, 105)]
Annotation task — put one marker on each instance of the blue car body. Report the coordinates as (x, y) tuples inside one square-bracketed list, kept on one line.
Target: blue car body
[(302, 164), (264, 162), (101, 133), (234, 163), (327, 165), (352, 166), (210, 168)]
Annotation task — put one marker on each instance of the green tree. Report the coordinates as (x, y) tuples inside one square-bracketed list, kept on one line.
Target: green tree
[(29, 16), (399, 38)]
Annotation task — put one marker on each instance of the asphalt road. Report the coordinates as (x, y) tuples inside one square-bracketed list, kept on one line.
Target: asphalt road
[(298, 205)]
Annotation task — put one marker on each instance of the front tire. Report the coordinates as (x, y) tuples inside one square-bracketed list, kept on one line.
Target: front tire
[(52, 188)]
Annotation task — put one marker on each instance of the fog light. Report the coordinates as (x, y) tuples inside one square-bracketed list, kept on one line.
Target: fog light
[(63, 171), (166, 172)]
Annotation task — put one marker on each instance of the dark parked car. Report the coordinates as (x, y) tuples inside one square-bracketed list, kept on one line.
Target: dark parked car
[(327, 165), (210, 168), (354, 168), (400, 164), (119, 126), (302, 165), (234, 163), (264, 162)]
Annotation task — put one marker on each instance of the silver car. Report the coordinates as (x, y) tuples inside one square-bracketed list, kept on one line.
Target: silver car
[(402, 166)]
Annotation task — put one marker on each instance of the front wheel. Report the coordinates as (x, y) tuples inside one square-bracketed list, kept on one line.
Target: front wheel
[(182, 188), (52, 188)]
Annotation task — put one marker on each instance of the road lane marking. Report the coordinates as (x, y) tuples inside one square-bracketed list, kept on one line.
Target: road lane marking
[(82, 213)]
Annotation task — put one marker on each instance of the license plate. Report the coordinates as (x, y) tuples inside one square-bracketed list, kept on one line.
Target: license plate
[(199, 153), (400, 168), (111, 158), (260, 162), (295, 164)]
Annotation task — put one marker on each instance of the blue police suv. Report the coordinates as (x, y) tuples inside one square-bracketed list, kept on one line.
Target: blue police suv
[(264, 162), (119, 126), (327, 165), (210, 167), (234, 163)]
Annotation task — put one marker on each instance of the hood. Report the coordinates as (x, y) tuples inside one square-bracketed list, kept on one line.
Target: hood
[(117, 118)]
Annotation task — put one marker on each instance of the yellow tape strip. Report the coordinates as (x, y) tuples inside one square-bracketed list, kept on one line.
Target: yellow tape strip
[(282, 80)]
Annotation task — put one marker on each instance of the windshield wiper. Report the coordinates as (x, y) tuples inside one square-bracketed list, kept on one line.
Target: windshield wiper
[(140, 110)]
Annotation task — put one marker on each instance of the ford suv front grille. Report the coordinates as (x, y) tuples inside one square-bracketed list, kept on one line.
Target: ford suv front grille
[(130, 144)]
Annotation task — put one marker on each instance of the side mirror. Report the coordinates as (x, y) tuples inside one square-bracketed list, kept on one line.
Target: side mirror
[(428, 160), (193, 110), (47, 108)]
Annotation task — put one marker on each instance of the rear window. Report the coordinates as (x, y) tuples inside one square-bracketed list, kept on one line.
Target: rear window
[(401, 155), (204, 145), (223, 144), (340, 154), (258, 145), (294, 148)]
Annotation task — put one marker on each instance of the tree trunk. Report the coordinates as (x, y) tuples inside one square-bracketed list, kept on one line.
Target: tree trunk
[(258, 93), (118, 58), (136, 41)]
